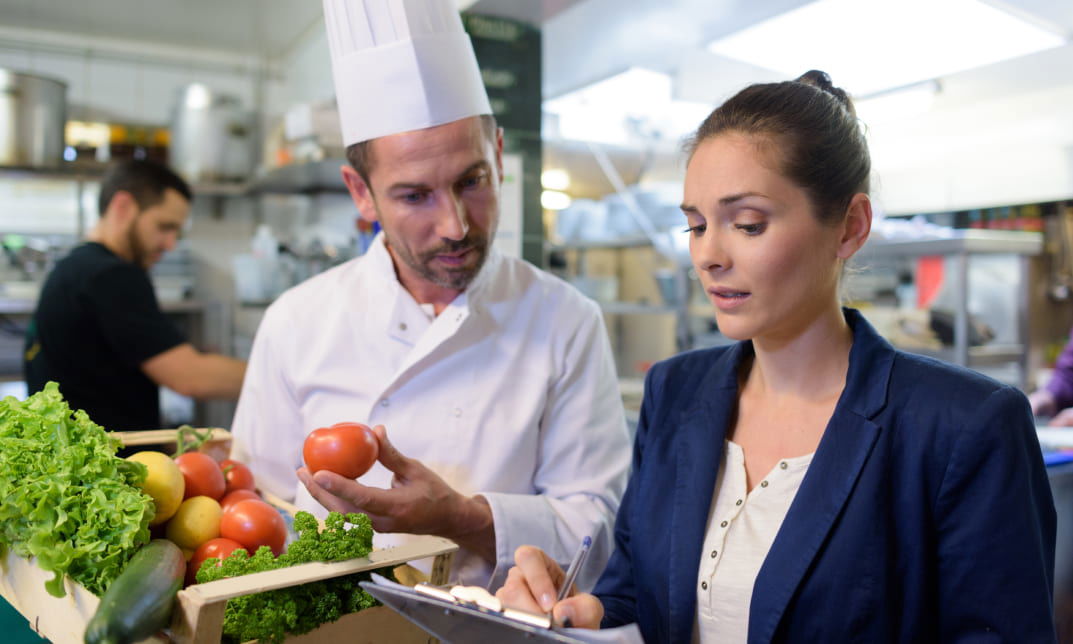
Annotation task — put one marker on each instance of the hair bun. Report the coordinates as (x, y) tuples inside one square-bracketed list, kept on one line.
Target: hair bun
[(822, 80), (817, 78)]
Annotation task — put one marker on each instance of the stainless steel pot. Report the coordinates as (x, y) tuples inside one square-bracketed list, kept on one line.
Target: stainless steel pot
[(33, 113), (211, 136)]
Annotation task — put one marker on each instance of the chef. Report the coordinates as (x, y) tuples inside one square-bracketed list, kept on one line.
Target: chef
[(494, 380)]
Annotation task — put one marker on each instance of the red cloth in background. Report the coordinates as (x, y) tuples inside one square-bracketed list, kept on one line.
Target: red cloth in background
[(929, 279)]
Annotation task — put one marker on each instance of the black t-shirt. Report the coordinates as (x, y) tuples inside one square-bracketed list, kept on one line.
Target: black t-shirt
[(97, 321)]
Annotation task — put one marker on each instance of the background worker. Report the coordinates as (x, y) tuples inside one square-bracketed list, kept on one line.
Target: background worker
[(1055, 399), (98, 329)]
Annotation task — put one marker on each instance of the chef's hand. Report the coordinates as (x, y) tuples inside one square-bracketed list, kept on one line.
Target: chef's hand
[(1063, 419), (533, 584), (419, 501)]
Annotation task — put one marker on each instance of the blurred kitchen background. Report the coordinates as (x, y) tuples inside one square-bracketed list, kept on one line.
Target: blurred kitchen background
[(972, 253)]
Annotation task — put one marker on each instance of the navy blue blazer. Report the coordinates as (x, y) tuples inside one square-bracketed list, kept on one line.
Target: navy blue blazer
[(925, 515)]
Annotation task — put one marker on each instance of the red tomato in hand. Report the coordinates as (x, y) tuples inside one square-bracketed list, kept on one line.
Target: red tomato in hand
[(236, 475), (218, 547), (254, 524), (232, 498), (202, 475), (348, 449)]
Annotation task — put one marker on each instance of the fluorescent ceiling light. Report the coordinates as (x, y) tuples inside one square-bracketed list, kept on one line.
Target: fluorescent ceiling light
[(555, 179), (637, 103), (871, 45), (554, 200)]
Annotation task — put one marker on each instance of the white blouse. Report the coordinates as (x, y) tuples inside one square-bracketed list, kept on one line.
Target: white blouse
[(741, 528)]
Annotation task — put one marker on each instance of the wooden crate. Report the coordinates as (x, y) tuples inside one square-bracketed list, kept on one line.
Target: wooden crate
[(199, 612), (199, 609)]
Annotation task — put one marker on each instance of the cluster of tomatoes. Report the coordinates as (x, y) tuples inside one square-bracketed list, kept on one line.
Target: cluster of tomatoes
[(209, 508)]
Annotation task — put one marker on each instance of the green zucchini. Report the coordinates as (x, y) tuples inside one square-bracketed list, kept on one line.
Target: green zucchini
[(140, 600)]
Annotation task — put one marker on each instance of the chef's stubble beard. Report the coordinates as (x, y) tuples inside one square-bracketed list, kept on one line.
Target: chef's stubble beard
[(456, 280)]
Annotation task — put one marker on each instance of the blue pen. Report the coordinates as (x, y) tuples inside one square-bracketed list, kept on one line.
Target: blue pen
[(575, 568)]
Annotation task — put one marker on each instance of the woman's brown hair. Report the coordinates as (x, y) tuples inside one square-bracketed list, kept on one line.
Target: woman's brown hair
[(812, 126)]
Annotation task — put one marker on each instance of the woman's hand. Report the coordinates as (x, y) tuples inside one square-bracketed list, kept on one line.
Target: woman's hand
[(533, 583)]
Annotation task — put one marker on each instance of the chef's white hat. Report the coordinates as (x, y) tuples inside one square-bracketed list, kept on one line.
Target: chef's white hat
[(401, 65)]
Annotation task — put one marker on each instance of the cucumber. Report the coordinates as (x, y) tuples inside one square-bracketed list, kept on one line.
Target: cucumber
[(140, 600)]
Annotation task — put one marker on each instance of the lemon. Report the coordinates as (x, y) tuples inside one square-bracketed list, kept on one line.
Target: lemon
[(196, 521), (164, 483)]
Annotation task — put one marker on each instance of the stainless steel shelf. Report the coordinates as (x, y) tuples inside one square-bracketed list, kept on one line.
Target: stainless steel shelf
[(229, 189), (981, 356), (963, 242), (618, 242), (317, 176), (91, 172), (65, 171)]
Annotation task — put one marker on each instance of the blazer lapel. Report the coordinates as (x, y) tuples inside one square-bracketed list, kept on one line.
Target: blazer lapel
[(842, 453), (699, 450)]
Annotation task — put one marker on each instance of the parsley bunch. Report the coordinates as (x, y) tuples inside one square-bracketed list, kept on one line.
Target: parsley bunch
[(272, 615)]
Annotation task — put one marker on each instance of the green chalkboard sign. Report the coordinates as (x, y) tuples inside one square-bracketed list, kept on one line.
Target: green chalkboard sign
[(508, 53)]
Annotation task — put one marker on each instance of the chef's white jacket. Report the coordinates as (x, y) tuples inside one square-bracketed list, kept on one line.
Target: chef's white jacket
[(510, 392)]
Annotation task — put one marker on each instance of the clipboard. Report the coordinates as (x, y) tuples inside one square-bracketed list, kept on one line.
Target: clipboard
[(459, 622)]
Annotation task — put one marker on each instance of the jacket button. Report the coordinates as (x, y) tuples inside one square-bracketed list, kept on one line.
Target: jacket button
[(782, 465), (704, 585), (763, 483), (738, 502), (723, 524), (714, 553)]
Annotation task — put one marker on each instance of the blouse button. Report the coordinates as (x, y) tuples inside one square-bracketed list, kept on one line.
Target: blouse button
[(763, 483), (714, 553), (704, 585), (723, 524), (457, 412), (402, 326), (384, 403), (783, 465)]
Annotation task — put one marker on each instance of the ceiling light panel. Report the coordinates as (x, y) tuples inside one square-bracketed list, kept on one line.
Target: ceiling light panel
[(869, 46)]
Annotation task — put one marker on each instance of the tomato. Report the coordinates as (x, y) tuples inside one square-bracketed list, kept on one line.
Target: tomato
[(232, 498), (218, 547), (202, 475), (348, 449), (236, 475), (254, 524)]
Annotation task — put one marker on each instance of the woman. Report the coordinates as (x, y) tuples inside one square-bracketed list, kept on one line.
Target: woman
[(811, 483)]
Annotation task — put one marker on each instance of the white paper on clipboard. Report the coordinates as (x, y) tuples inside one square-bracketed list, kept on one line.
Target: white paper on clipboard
[(471, 621)]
